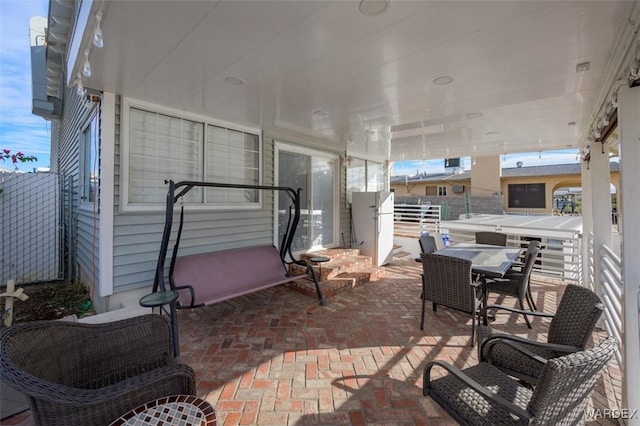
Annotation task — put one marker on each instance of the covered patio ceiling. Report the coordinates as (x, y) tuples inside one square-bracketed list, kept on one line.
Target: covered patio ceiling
[(524, 75)]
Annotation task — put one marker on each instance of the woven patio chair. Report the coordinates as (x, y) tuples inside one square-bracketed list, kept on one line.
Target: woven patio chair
[(517, 268), (447, 281), (516, 284), (492, 238), (439, 241), (484, 395), (427, 244), (570, 329), (90, 374)]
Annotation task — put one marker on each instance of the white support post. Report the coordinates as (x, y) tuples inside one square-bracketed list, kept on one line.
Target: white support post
[(629, 206), (107, 182), (600, 184), (587, 223)]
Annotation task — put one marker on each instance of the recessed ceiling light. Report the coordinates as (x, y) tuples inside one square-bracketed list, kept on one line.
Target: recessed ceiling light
[(373, 7), (441, 81), (492, 133), (236, 81), (474, 115), (583, 66)]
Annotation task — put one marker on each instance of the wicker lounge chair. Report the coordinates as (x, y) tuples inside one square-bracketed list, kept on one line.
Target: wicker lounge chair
[(447, 281), (90, 374), (484, 395), (492, 238), (569, 331), (516, 284)]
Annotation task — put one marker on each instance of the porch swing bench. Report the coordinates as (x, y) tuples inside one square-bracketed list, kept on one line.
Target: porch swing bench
[(203, 279), (208, 278)]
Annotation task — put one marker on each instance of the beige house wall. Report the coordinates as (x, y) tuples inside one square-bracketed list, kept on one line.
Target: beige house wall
[(419, 189), (552, 184), (485, 175)]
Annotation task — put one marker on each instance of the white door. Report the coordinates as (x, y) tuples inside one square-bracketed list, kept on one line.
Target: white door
[(315, 173)]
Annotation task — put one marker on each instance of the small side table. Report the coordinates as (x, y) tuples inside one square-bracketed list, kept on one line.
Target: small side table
[(159, 299), (319, 260), (183, 410)]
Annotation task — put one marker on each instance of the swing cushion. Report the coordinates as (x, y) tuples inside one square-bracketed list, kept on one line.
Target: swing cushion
[(222, 275)]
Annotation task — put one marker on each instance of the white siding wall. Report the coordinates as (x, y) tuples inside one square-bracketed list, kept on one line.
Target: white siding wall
[(67, 132), (137, 236)]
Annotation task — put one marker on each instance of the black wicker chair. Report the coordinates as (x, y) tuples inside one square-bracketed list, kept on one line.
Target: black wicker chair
[(492, 238), (484, 395), (427, 244), (516, 284), (447, 281), (518, 267), (90, 374), (570, 329)]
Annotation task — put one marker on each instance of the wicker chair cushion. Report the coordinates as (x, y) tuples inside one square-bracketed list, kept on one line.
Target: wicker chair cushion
[(510, 287), (475, 408), (506, 357)]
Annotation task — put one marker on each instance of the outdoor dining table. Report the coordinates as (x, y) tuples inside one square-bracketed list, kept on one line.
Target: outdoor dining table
[(486, 260)]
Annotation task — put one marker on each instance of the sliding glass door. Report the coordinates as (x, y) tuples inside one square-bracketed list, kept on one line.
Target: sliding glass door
[(316, 173)]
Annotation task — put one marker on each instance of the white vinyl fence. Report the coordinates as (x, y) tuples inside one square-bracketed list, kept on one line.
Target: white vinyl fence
[(30, 233)]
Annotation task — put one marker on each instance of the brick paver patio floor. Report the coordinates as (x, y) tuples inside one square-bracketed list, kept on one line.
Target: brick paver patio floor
[(276, 357)]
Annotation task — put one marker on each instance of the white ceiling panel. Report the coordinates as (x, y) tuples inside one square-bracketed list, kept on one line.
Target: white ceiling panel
[(324, 71)]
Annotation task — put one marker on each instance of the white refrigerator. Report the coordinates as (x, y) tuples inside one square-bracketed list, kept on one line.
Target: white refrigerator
[(372, 214)]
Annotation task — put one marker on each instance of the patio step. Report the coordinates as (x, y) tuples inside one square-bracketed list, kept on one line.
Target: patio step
[(345, 269)]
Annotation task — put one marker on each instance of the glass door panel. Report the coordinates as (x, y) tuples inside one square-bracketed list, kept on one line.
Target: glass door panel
[(322, 185), (294, 172), (316, 176)]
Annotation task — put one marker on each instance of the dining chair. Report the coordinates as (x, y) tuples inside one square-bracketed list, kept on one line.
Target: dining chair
[(447, 281), (517, 268), (570, 329), (492, 238), (427, 244), (484, 395), (516, 284), (439, 241)]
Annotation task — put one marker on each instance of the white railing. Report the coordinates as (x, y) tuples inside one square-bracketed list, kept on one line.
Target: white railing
[(560, 256), (414, 219), (611, 293)]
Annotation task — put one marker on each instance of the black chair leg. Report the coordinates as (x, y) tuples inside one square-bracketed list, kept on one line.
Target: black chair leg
[(526, 319), (422, 317), (435, 308), (530, 296)]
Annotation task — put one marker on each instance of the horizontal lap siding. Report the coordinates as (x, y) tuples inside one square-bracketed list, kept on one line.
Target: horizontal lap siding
[(137, 236), (68, 130)]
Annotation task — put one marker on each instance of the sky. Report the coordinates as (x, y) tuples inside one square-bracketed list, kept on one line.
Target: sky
[(19, 129)]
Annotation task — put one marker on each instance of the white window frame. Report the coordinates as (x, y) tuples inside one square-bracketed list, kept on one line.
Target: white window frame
[(442, 191), (127, 206), (83, 168)]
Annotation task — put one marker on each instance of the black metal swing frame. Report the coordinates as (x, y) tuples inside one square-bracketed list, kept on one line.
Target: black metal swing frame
[(178, 190)]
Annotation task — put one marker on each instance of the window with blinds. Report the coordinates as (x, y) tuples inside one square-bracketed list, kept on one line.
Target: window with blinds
[(163, 147)]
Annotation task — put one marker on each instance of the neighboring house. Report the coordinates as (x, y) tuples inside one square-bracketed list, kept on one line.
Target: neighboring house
[(524, 189)]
